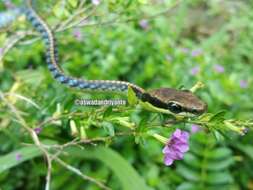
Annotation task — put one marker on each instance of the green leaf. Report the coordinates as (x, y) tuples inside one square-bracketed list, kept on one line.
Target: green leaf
[(219, 153), (219, 165), (222, 177), (246, 148), (205, 117), (132, 99), (109, 128), (192, 160), (149, 107), (17, 157), (60, 10), (218, 135), (187, 186), (123, 121), (126, 174), (218, 117), (188, 173), (73, 3), (213, 165), (32, 78), (143, 1), (107, 112)]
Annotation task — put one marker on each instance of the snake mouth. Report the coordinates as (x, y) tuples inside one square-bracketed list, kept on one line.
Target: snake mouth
[(203, 109), (193, 112), (197, 112)]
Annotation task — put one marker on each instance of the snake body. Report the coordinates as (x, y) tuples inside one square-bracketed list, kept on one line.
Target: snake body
[(52, 61), (176, 101)]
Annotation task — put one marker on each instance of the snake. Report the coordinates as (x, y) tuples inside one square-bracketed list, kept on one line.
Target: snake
[(175, 101)]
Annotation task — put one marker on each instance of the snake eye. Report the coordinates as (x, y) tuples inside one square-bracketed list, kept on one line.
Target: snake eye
[(195, 111), (175, 108)]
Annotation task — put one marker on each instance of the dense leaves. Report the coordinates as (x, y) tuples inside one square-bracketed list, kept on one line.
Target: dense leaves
[(141, 42)]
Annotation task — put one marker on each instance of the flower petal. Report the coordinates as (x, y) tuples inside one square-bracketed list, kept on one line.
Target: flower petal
[(175, 155), (195, 128), (182, 147), (177, 133), (166, 149), (168, 160), (185, 135)]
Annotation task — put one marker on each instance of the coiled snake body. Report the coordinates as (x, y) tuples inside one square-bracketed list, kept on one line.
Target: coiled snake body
[(180, 102)]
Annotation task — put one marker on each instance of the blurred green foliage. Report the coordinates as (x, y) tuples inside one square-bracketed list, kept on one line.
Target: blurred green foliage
[(208, 41)]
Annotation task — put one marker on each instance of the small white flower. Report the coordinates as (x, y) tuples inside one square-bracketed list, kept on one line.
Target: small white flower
[(95, 2)]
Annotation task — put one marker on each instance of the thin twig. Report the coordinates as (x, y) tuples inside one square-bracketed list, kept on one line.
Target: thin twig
[(12, 42), (49, 169), (32, 134), (81, 20), (71, 18), (79, 173)]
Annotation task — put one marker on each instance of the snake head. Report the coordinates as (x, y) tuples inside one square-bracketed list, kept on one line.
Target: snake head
[(179, 102)]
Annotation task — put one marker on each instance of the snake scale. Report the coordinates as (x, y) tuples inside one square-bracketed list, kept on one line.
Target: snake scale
[(179, 102)]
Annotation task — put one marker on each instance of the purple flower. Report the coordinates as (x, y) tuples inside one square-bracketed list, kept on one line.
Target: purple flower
[(219, 68), (196, 52), (195, 70), (1, 51), (244, 84), (18, 156), (195, 128), (176, 147), (8, 4), (184, 50), (95, 2), (144, 24), (37, 130), (78, 34)]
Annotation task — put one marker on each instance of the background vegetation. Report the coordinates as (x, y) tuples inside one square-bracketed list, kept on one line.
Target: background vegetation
[(151, 43)]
